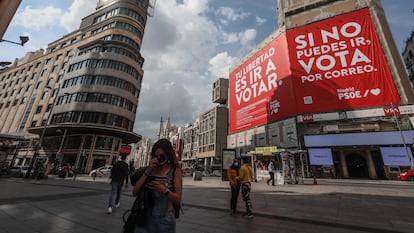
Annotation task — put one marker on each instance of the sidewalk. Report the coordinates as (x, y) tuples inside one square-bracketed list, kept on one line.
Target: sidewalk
[(344, 205), (365, 205)]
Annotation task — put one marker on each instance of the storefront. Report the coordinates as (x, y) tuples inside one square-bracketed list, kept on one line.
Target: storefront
[(372, 155)]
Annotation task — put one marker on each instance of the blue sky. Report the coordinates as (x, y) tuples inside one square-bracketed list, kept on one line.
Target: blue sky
[(187, 45)]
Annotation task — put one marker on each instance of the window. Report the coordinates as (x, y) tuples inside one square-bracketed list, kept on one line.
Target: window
[(47, 61), (54, 69), (33, 124), (44, 95), (38, 85), (23, 100), (49, 107), (43, 72), (15, 102), (39, 109)]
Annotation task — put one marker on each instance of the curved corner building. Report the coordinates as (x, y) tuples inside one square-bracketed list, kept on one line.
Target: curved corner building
[(81, 94)]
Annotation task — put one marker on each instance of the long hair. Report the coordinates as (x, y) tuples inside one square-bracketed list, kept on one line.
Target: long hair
[(166, 146)]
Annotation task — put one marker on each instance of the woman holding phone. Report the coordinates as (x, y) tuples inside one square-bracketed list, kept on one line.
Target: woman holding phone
[(163, 177)]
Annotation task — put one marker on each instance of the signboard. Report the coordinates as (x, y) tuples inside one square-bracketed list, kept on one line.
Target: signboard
[(335, 64), (338, 64), (396, 156), (265, 150), (322, 156), (125, 150), (228, 156), (260, 89)]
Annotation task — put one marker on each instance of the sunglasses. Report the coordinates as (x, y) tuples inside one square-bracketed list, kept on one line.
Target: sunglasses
[(162, 158)]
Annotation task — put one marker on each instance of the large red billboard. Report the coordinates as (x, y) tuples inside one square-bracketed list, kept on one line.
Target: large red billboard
[(334, 64), (339, 64), (261, 89)]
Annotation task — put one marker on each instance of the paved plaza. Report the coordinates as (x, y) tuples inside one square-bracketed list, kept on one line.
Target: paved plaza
[(57, 205)]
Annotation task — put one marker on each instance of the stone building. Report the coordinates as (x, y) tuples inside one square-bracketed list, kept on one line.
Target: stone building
[(80, 95)]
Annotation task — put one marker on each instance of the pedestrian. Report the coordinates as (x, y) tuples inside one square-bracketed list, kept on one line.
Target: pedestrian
[(245, 178), (232, 173), (119, 174), (271, 169), (163, 178)]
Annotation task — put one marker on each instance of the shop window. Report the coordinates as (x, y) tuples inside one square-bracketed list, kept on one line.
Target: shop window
[(394, 169)]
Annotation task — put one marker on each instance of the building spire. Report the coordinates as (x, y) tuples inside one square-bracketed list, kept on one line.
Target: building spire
[(161, 129)]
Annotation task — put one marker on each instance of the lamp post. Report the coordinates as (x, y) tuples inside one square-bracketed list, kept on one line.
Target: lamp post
[(402, 137), (299, 146), (39, 143), (23, 40), (60, 153)]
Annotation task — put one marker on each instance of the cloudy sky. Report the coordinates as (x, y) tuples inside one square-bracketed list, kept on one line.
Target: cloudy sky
[(187, 45)]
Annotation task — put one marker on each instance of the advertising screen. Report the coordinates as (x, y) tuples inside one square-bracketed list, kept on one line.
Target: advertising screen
[(261, 89), (339, 64), (396, 156), (322, 156)]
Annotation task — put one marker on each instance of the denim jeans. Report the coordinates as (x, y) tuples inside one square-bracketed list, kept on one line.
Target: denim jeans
[(115, 191)]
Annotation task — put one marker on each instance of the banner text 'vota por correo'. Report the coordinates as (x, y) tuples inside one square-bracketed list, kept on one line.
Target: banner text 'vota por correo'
[(260, 89), (339, 64)]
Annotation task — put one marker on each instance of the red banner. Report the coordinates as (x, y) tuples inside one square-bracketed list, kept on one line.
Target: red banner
[(260, 89), (334, 64), (338, 64)]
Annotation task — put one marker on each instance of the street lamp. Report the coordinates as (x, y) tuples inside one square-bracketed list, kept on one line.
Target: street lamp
[(23, 40), (39, 143), (410, 159), (299, 146), (59, 154)]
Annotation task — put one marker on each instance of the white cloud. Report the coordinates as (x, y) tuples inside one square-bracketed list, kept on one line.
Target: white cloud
[(37, 19), (220, 65), (79, 9), (247, 36), (230, 38), (178, 43), (231, 14), (244, 37), (260, 21)]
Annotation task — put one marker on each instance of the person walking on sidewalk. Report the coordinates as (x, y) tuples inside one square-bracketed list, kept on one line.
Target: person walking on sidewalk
[(271, 169), (119, 173), (232, 173), (245, 178), (163, 177)]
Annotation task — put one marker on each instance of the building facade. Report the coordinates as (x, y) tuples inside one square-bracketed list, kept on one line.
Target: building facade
[(81, 94), (408, 57), (190, 141), (7, 10), (319, 102)]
